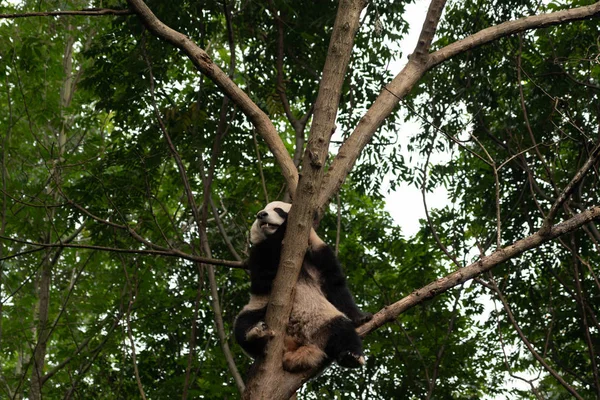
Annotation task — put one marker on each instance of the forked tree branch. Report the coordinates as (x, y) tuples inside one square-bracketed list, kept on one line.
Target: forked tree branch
[(269, 380), (204, 63), (403, 83)]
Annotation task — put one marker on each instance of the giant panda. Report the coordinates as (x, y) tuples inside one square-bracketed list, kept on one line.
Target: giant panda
[(324, 315)]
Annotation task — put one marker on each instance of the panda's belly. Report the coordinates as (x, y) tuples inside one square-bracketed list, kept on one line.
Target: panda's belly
[(311, 313)]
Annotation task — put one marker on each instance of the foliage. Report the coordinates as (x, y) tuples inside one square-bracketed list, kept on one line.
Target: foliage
[(85, 162)]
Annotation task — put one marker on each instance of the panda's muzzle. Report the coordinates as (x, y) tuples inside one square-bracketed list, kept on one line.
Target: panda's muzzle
[(268, 225), (262, 218)]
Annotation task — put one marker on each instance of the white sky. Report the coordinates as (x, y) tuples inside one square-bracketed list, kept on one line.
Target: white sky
[(405, 204)]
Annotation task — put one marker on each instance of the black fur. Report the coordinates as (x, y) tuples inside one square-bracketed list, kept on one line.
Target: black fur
[(243, 323), (281, 213), (334, 286), (343, 344), (264, 261)]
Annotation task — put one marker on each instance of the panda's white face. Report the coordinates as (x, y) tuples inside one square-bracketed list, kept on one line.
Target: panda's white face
[(268, 220)]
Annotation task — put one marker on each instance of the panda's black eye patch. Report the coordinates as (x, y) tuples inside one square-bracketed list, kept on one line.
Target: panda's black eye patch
[(281, 213)]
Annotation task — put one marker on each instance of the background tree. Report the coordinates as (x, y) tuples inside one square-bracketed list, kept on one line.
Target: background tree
[(127, 176)]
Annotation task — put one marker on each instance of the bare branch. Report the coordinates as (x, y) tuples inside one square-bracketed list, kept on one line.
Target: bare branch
[(267, 377), (165, 252), (493, 33), (403, 83), (391, 312), (86, 11), (203, 62)]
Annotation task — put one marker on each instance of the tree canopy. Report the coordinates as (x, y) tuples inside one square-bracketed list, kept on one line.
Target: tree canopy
[(133, 162)]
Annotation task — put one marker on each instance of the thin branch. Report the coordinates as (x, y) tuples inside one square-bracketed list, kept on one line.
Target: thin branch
[(492, 164), (95, 352), (78, 350), (500, 336), (85, 11), (221, 228), (584, 321), (442, 349), (493, 33), (526, 117), (260, 169), (200, 220), (391, 312), (526, 342), (451, 256), (592, 159), (204, 63), (298, 124), (402, 84), (132, 298), (193, 334), (164, 252)]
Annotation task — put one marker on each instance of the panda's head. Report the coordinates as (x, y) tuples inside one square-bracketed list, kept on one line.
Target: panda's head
[(268, 220)]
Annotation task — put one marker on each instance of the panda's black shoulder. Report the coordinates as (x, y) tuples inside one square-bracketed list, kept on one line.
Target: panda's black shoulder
[(327, 264), (263, 262)]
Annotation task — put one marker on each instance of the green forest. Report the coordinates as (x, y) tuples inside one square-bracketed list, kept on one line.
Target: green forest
[(139, 139)]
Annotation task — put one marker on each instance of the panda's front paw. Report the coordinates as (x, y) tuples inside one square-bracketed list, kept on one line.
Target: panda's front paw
[(361, 317), (259, 331), (347, 359)]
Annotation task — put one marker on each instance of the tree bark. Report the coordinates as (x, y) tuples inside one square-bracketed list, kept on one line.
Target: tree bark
[(203, 62), (269, 381), (391, 312), (410, 75)]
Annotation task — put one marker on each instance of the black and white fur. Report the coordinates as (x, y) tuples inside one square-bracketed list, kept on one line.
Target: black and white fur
[(324, 314)]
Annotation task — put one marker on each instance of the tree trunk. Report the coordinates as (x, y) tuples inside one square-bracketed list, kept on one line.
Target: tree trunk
[(42, 328)]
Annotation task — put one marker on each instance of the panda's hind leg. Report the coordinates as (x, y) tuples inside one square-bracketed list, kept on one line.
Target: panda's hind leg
[(297, 357), (344, 345)]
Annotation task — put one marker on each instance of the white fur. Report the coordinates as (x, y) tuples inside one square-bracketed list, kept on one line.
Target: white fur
[(256, 303), (312, 310), (259, 233), (306, 335)]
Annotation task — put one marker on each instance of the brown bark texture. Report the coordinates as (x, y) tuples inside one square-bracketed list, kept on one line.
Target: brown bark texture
[(314, 188)]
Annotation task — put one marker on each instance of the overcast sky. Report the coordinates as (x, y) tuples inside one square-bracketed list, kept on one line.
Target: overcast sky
[(406, 203)]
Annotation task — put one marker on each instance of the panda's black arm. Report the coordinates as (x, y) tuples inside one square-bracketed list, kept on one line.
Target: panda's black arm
[(334, 285), (244, 322)]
